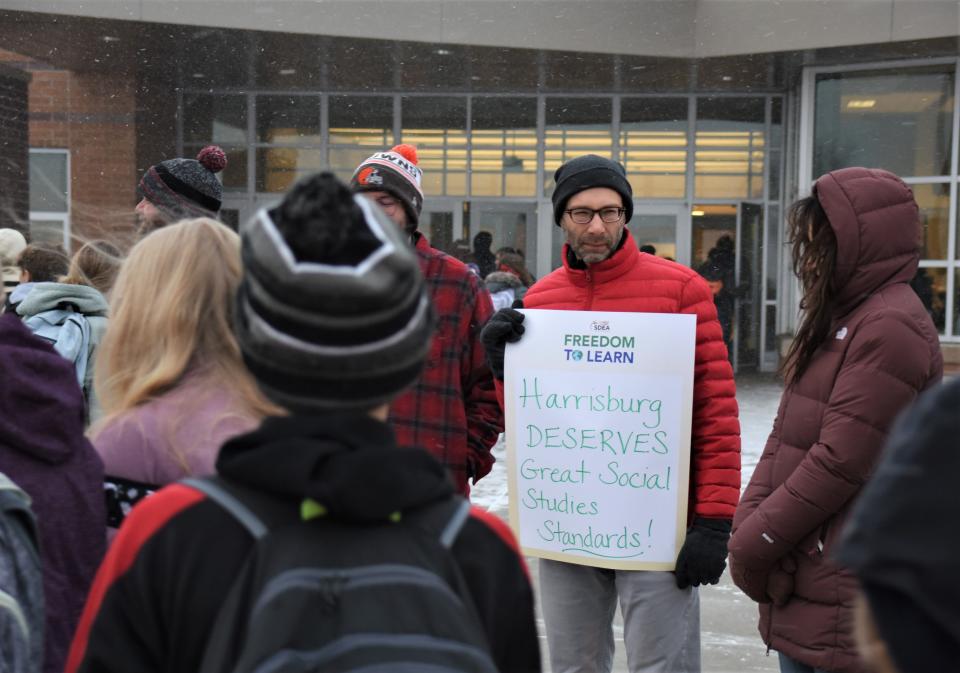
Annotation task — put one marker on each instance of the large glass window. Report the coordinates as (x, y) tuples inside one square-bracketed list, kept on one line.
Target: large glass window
[(503, 140), (900, 120), (219, 119), (730, 148), (358, 127), (934, 202), (437, 125), (283, 121), (288, 119), (49, 195), (576, 126), (653, 146)]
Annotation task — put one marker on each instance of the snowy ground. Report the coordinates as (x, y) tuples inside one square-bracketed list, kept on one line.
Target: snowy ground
[(730, 643)]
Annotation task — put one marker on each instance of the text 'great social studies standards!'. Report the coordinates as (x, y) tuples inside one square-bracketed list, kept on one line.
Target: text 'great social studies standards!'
[(598, 417)]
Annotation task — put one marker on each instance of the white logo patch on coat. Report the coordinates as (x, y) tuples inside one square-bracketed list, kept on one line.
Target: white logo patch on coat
[(842, 333)]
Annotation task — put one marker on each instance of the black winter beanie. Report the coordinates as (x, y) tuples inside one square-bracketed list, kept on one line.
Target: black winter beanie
[(587, 172)]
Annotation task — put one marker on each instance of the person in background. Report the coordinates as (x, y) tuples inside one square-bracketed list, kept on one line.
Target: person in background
[(722, 298), (482, 254), (95, 264), (510, 281), (865, 349), (169, 375), (47, 310), (334, 320), (38, 263), (178, 189), (504, 288), (603, 270), (43, 450), (460, 250), (12, 244), (908, 612), (452, 410), (512, 262), (649, 249)]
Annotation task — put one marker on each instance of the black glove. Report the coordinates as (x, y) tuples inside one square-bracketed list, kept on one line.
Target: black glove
[(504, 325), (704, 553)]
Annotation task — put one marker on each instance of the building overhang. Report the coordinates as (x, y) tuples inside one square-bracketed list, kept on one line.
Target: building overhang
[(663, 28)]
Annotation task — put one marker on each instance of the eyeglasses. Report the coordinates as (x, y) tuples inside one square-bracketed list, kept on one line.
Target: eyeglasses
[(585, 215)]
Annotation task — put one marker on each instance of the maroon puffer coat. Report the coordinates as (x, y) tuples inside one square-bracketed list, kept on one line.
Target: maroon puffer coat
[(832, 423)]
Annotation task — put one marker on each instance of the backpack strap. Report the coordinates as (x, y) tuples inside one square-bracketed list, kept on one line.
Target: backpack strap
[(443, 520), (456, 522), (214, 489)]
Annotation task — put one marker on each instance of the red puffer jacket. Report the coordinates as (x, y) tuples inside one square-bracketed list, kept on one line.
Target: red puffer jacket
[(832, 423), (630, 281)]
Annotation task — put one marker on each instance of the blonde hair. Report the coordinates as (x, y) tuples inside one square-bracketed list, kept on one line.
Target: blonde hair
[(95, 264), (171, 312)]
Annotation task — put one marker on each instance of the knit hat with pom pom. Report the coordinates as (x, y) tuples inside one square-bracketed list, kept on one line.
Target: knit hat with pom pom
[(184, 188), (395, 172)]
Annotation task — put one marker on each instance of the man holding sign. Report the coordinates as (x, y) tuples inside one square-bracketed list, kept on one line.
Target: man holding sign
[(603, 270)]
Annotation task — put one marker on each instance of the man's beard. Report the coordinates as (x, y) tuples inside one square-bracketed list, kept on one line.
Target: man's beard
[(593, 256), (149, 225)]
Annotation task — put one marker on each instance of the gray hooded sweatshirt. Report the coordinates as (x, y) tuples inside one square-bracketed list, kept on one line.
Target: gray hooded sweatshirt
[(85, 300)]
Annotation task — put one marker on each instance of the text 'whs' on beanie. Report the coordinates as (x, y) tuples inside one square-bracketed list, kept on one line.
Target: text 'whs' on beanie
[(397, 173), (332, 311), (587, 172), (184, 188)]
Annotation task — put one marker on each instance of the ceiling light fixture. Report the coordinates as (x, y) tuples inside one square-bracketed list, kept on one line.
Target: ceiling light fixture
[(862, 104)]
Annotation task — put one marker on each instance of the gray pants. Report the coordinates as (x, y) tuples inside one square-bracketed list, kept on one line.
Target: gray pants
[(661, 623)]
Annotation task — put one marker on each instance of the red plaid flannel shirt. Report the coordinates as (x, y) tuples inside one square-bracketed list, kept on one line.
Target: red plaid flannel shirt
[(452, 410)]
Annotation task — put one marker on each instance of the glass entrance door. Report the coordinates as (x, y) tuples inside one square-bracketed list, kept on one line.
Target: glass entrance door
[(511, 225), (663, 227), (726, 249)]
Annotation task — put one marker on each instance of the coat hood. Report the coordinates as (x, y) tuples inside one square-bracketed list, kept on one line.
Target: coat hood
[(876, 222), (496, 281), (47, 296), (41, 406), (347, 462)]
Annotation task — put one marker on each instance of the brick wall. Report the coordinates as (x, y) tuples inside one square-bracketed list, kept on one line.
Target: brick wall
[(14, 169), (91, 114)]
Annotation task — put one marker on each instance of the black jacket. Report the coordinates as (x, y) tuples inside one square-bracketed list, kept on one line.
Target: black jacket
[(176, 556)]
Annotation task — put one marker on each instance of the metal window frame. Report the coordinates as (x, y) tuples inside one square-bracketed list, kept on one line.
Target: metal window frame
[(64, 216), (805, 171), (546, 229)]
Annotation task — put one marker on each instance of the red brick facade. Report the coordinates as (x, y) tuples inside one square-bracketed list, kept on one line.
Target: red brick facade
[(93, 116)]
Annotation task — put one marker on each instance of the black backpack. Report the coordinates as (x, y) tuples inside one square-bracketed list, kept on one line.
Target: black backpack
[(322, 595)]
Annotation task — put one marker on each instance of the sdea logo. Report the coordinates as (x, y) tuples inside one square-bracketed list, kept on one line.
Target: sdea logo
[(599, 347)]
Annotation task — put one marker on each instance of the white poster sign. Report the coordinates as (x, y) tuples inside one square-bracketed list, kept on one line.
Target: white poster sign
[(598, 412)]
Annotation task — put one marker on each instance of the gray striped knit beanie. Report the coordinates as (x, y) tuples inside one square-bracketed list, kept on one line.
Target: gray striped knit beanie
[(185, 188), (331, 312)]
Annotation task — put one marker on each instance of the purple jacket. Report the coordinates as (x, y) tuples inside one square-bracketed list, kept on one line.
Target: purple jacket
[(43, 449)]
